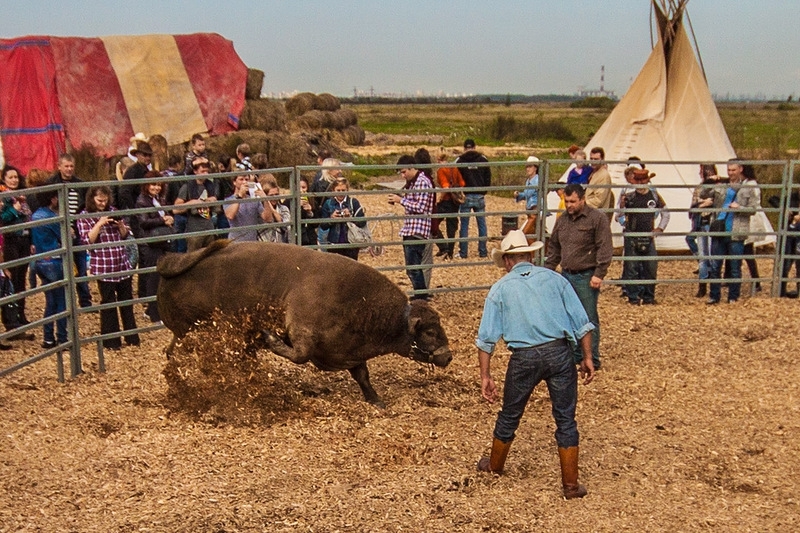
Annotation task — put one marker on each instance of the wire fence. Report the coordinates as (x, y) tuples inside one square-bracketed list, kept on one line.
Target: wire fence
[(778, 244)]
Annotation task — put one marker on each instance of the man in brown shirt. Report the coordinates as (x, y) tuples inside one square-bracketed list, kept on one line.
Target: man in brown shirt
[(581, 244)]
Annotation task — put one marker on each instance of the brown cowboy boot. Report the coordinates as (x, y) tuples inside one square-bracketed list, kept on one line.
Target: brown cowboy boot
[(569, 473), (497, 460)]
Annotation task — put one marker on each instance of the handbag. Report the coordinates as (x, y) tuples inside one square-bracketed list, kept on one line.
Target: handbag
[(358, 235), (718, 225), (132, 250), (9, 311), (161, 231)]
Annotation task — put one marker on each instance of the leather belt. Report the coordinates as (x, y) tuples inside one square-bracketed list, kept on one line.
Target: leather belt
[(573, 272)]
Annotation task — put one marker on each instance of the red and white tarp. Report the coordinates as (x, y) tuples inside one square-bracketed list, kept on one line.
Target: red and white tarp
[(101, 91)]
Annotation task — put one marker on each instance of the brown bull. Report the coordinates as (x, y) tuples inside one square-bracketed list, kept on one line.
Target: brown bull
[(338, 312)]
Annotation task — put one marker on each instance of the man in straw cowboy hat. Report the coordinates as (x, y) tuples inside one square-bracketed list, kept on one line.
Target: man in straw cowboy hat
[(537, 313)]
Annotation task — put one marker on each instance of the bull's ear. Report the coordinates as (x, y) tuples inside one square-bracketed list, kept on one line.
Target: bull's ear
[(413, 322)]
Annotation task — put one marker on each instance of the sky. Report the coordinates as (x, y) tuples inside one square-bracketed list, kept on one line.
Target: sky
[(433, 47)]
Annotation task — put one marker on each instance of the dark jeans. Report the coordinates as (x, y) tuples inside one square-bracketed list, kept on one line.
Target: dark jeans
[(112, 292), (414, 254), (475, 203), (451, 223), (84, 295), (588, 297), (148, 283), (790, 249), (17, 247), (645, 269), (50, 271), (726, 246), (179, 245), (551, 363)]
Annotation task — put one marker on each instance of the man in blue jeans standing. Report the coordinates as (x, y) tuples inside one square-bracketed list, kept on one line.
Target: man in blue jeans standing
[(418, 206), (581, 244), (536, 313), (47, 238), (474, 176)]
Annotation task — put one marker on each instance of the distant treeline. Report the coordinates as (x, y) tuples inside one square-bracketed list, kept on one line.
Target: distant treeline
[(476, 99)]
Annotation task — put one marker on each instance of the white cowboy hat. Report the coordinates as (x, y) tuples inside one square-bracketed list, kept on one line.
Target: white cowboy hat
[(514, 242)]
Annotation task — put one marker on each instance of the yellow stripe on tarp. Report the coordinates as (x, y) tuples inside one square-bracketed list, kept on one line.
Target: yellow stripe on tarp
[(156, 88)]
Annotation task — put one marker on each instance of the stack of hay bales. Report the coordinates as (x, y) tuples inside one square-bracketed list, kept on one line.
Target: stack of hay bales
[(289, 134), (323, 113)]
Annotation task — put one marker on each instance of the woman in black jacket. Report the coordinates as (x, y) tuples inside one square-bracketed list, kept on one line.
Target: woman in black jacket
[(155, 223)]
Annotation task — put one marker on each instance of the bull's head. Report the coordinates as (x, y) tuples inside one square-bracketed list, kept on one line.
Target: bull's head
[(428, 339)]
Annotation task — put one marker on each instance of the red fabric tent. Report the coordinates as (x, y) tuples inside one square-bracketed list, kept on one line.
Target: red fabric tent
[(101, 91)]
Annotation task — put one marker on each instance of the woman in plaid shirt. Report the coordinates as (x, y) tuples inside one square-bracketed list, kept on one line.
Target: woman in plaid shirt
[(110, 261)]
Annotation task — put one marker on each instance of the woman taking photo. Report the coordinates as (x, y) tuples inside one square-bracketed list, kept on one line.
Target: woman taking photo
[(341, 207), (109, 260)]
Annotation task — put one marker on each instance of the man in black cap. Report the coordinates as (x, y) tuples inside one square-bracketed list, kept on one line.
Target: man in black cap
[(126, 197), (127, 194), (474, 176)]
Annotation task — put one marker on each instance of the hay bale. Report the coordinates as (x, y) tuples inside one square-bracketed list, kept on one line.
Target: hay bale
[(160, 151), (313, 120), (326, 102), (255, 80), (354, 135), (264, 115), (345, 117), (226, 144), (284, 150), (300, 104)]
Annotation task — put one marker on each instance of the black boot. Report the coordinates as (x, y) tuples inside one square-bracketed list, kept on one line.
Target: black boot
[(701, 290)]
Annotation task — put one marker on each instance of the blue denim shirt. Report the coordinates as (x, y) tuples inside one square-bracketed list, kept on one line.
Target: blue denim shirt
[(47, 237), (530, 194), (530, 306)]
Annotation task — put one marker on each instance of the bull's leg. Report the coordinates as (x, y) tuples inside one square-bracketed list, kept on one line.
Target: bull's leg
[(278, 347), (171, 347), (361, 375)]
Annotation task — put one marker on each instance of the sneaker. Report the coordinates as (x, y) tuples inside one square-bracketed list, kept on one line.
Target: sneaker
[(712, 302), (4, 346), (635, 302), (649, 302), (48, 344)]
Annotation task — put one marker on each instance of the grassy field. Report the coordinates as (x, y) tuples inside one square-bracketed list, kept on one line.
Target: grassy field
[(768, 131), (763, 131)]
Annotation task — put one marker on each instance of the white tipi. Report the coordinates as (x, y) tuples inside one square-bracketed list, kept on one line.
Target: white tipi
[(667, 114)]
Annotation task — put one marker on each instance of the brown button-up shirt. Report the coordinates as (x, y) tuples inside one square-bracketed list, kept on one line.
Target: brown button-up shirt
[(581, 242)]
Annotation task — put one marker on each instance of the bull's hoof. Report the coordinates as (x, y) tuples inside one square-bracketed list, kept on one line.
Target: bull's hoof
[(377, 402)]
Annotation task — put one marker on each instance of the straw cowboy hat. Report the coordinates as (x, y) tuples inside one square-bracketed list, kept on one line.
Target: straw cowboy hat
[(514, 242)]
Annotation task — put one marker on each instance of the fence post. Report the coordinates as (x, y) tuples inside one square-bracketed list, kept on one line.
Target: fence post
[(69, 273)]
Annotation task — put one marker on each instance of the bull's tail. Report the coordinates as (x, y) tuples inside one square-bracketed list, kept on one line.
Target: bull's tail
[(171, 265)]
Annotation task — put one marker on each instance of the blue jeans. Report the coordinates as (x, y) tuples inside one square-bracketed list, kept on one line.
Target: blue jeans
[(726, 246), (551, 363), (477, 204), (645, 269), (588, 297), (179, 245), (414, 254), (50, 271)]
